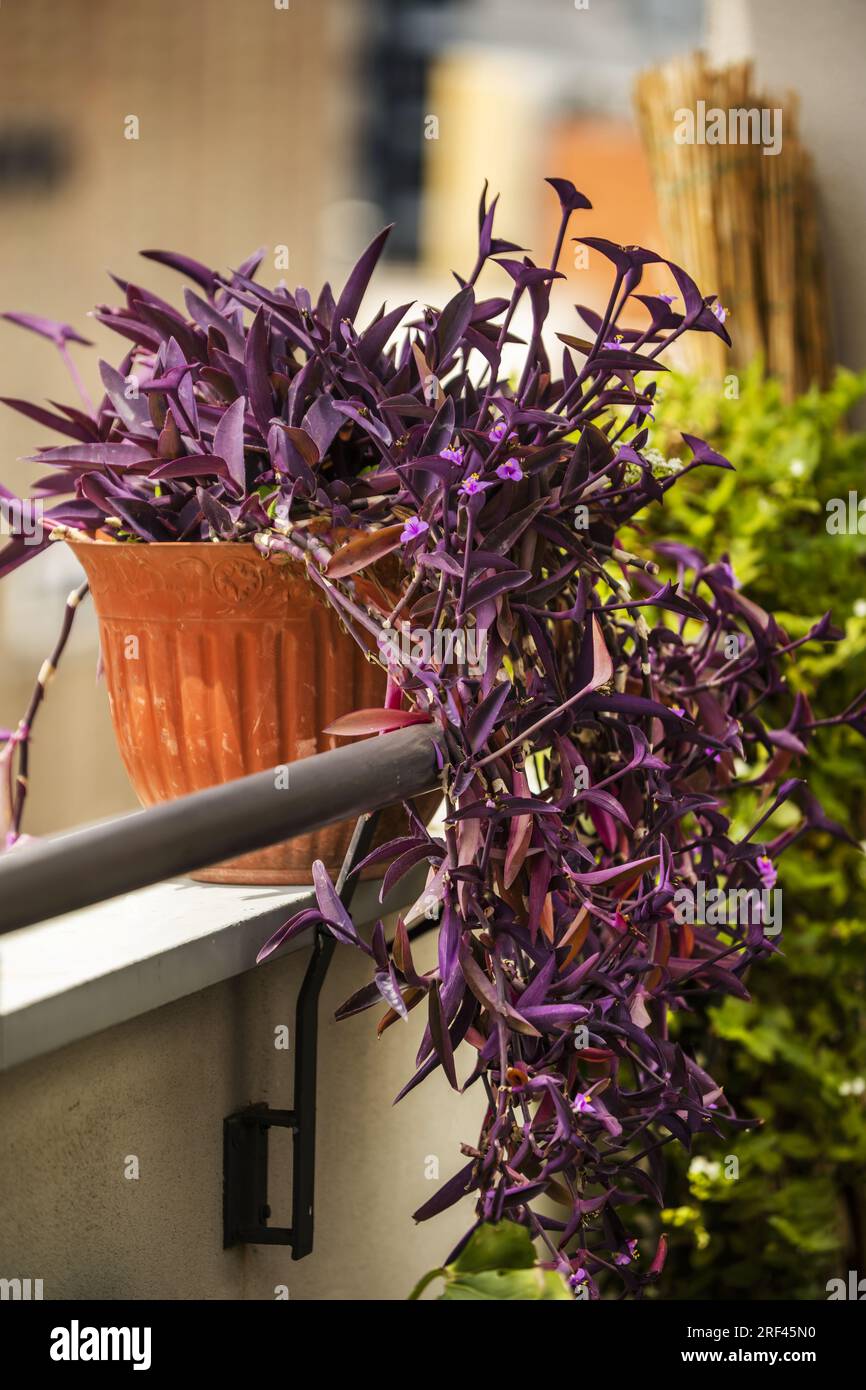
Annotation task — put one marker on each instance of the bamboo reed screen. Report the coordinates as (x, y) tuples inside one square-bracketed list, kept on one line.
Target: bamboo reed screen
[(742, 223)]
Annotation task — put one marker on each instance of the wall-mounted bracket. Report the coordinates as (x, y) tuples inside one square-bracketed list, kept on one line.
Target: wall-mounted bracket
[(245, 1176), (246, 1210)]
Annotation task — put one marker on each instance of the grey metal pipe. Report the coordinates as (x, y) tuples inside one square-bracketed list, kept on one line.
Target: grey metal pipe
[(70, 871)]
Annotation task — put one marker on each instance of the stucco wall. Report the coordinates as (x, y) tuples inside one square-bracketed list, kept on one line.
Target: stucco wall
[(158, 1088)]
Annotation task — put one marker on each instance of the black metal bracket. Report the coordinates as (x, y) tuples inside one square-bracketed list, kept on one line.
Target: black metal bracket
[(245, 1176), (246, 1210)]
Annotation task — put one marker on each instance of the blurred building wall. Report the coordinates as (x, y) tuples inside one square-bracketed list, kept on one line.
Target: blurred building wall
[(246, 132)]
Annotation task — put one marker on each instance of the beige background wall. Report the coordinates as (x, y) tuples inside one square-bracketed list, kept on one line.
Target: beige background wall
[(246, 132), (159, 1087)]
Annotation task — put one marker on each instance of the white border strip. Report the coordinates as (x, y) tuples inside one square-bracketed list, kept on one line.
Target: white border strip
[(89, 970)]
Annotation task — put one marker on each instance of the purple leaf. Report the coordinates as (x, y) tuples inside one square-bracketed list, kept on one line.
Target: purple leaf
[(228, 441), (57, 333), (256, 365), (355, 288), (569, 197), (185, 265)]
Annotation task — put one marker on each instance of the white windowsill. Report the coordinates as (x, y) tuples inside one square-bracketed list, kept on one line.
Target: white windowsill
[(89, 970)]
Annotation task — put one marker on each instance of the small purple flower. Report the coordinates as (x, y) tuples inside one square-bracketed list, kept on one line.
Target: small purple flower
[(583, 1105), (767, 869), (678, 709), (497, 431), (668, 298), (414, 527), (720, 311), (615, 344), (471, 485), (625, 1257), (510, 471), (454, 455)]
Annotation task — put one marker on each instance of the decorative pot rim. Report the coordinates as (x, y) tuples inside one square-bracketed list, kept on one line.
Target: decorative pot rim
[(140, 545)]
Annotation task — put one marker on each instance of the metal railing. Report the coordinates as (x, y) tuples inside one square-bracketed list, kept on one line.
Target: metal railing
[(66, 872)]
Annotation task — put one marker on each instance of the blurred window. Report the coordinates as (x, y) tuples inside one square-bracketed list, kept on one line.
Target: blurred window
[(32, 158)]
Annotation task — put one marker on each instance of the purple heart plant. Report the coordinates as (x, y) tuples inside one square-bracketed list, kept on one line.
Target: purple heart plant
[(614, 739)]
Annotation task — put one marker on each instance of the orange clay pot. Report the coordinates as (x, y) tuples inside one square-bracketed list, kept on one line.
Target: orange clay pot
[(220, 663)]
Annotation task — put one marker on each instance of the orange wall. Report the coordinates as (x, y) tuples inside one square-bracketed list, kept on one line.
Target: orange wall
[(604, 158)]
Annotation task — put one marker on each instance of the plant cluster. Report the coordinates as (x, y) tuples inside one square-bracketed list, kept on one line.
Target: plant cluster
[(592, 767)]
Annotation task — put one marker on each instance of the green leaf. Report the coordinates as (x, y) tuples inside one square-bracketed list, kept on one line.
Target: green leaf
[(497, 1262), (502, 1246), (510, 1285)]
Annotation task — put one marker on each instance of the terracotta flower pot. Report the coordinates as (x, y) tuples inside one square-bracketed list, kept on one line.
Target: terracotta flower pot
[(219, 664)]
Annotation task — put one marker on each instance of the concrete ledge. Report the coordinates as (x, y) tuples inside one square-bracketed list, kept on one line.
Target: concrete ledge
[(89, 970)]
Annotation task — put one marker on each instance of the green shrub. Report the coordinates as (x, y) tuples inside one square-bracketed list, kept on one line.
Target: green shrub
[(796, 1214)]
